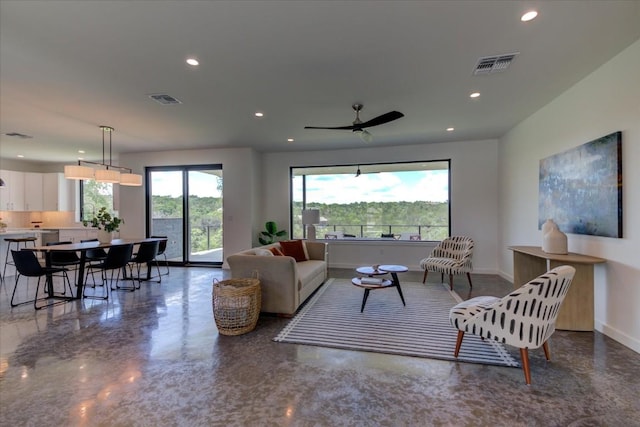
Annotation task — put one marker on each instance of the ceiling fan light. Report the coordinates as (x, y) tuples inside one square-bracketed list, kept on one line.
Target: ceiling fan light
[(78, 172), (131, 179), (108, 175), (366, 136)]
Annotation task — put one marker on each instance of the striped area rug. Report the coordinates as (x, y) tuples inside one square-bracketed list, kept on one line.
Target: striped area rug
[(332, 318)]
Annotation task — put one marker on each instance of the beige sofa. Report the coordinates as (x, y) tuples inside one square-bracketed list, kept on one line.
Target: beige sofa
[(285, 283)]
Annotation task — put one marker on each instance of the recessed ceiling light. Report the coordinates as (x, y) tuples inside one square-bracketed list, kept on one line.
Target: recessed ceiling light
[(529, 16), (20, 155), (193, 62), (450, 129), (259, 114), (289, 139), (81, 151), (474, 95)]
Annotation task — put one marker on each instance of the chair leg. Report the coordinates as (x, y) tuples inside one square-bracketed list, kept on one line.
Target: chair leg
[(424, 278), (104, 280), (458, 343), (14, 292), (524, 355), (155, 261), (469, 277), (451, 281), (547, 353)]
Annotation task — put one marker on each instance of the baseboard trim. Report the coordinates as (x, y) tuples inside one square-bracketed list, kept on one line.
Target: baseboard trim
[(618, 335)]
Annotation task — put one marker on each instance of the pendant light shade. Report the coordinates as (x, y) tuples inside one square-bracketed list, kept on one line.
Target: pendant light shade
[(110, 174), (78, 172), (131, 179), (107, 175)]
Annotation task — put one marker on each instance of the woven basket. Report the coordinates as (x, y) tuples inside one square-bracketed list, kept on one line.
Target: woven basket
[(236, 305)]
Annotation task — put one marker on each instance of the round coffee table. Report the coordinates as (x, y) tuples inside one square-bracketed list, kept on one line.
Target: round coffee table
[(368, 287), (371, 272)]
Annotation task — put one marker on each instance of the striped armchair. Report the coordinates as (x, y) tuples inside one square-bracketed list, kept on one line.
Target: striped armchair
[(451, 256), (525, 318)]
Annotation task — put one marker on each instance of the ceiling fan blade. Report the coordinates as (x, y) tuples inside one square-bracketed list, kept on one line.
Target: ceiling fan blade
[(380, 120), (334, 128)]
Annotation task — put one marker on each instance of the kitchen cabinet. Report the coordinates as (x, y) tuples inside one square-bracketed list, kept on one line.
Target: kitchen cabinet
[(59, 192), (33, 193), (12, 194)]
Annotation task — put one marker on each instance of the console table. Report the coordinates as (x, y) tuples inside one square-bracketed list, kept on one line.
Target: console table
[(576, 312)]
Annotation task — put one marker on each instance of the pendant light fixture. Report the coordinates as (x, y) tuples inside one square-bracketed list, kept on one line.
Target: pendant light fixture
[(108, 173)]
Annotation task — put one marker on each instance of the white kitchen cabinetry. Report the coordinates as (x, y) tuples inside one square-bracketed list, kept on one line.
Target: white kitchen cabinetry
[(76, 235), (12, 194), (33, 193), (59, 192)]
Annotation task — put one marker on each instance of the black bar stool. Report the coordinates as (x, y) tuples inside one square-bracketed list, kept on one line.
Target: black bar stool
[(16, 241)]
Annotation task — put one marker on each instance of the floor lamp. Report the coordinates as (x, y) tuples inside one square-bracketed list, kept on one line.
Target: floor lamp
[(310, 217)]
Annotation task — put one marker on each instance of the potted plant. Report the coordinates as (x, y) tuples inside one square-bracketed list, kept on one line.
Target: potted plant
[(105, 223), (271, 233)]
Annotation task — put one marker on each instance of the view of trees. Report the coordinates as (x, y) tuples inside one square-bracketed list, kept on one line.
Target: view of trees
[(94, 196), (371, 219), (205, 214)]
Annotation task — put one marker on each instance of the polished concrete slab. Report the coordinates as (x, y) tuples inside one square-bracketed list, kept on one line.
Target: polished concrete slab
[(154, 358)]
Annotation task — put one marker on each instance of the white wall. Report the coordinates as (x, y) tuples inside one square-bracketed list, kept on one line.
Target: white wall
[(608, 100), (474, 199)]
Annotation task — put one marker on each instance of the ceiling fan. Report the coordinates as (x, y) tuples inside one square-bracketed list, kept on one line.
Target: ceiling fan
[(359, 126)]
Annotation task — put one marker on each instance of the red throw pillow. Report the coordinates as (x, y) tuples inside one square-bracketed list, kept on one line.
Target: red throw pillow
[(294, 248), (276, 251)]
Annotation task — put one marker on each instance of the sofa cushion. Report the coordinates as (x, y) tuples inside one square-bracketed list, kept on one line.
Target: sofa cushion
[(310, 269), (276, 251), (295, 249), (262, 252)]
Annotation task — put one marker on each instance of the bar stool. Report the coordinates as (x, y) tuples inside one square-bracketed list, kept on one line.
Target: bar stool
[(16, 241)]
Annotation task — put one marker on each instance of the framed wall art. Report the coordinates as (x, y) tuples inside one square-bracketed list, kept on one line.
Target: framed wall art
[(581, 188)]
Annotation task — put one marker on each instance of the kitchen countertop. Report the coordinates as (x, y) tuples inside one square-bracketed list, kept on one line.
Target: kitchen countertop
[(22, 230), (16, 231)]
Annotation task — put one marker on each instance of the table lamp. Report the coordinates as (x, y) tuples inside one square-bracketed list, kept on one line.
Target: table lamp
[(310, 217)]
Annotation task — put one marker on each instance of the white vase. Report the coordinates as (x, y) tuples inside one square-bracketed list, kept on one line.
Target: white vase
[(555, 241), (547, 226), (104, 236)]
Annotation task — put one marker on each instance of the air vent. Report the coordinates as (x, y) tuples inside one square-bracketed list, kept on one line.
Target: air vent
[(494, 64), (19, 135), (165, 99)]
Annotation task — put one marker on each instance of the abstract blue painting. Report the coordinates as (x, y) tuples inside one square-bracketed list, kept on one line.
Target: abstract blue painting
[(581, 189)]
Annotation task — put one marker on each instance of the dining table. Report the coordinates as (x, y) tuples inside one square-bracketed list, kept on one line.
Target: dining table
[(82, 248)]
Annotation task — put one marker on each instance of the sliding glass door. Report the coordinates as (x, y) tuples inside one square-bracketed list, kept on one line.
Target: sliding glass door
[(184, 203)]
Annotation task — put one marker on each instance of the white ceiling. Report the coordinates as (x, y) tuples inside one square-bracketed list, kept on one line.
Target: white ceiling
[(67, 67)]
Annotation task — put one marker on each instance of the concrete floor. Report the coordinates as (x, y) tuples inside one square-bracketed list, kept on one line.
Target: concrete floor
[(154, 358)]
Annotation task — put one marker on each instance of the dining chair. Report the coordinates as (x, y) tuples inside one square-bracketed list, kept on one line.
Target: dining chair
[(27, 265), (162, 251), (115, 263), (147, 252), (68, 260), (93, 256)]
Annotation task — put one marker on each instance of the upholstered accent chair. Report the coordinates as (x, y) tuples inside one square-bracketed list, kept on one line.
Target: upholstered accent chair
[(452, 256), (525, 318)]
